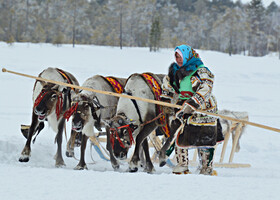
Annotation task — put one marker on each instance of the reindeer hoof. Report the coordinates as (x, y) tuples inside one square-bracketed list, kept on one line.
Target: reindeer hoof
[(162, 163), (24, 159), (79, 167), (132, 170), (149, 168), (149, 171), (60, 164), (116, 167), (69, 154)]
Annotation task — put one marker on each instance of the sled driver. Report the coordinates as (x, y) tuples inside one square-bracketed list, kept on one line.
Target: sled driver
[(193, 82)]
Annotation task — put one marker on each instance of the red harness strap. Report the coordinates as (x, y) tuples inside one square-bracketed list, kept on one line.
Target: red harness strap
[(114, 135), (59, 102), (39, 98), (59, 105), (70, 111)]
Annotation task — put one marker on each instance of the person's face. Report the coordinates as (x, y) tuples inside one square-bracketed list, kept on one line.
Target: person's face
[(179, 59)]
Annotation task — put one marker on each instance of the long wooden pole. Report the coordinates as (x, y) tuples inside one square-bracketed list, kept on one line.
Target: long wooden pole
[(142, 99)]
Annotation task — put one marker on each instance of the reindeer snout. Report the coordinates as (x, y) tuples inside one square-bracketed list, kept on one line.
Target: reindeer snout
[(122, 155), (77, 126), (41, 113)]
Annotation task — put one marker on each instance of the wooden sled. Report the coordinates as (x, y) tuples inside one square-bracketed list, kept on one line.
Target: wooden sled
[(156, 142), (98, 147), (237, 126)]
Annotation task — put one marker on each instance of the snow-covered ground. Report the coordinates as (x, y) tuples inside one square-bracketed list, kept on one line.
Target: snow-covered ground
[(241, 84)]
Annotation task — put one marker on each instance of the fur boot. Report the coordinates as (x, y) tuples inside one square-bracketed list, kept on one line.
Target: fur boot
[(182, 166), (206, 161)]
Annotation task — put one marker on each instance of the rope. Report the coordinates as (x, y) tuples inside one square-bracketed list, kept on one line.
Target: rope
[(150, 121)]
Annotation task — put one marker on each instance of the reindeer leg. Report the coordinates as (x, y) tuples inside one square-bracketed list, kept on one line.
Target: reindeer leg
[(143, 134), (82, 164), (113, 160), (162, 153), (58, 157), (25, 154), (70, 145), (149, 165)]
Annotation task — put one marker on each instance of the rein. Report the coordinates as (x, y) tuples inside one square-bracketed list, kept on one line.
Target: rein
[(157, 117)]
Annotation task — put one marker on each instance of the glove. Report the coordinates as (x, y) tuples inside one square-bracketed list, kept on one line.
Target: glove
[(187, 109), (166, 84)]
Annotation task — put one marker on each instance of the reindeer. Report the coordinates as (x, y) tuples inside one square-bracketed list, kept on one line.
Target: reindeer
[(87, 112), (135, 120), (50, 102), (232, 127)]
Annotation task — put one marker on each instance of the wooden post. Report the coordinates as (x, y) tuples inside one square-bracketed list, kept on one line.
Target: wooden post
[(227, 135), (235, 140)]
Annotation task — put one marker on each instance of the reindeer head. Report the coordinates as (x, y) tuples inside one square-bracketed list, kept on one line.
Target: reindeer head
[(48, 101), (83, 109), (121, 137)]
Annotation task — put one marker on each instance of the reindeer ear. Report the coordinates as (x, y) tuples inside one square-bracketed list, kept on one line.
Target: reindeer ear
[(93, 108), (43, 83), (96, 103), (54, 86)]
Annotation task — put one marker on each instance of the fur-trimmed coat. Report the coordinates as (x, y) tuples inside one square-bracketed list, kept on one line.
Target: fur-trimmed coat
[(202, 98), (200, 130)]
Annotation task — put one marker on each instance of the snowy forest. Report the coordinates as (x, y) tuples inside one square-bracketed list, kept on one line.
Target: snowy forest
[(221, 25)]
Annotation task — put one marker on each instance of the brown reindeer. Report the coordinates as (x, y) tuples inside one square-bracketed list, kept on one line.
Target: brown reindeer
[(50, 102)]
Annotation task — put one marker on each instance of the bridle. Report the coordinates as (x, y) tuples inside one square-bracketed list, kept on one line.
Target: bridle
[(73, 109), (129, 127), (70, 111), (114, 135), (59, 102)]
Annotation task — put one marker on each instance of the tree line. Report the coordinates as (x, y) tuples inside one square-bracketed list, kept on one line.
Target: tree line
[(221, 25)]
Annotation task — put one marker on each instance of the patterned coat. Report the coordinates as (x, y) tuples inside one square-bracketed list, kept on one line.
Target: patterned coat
[(200, 97)]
